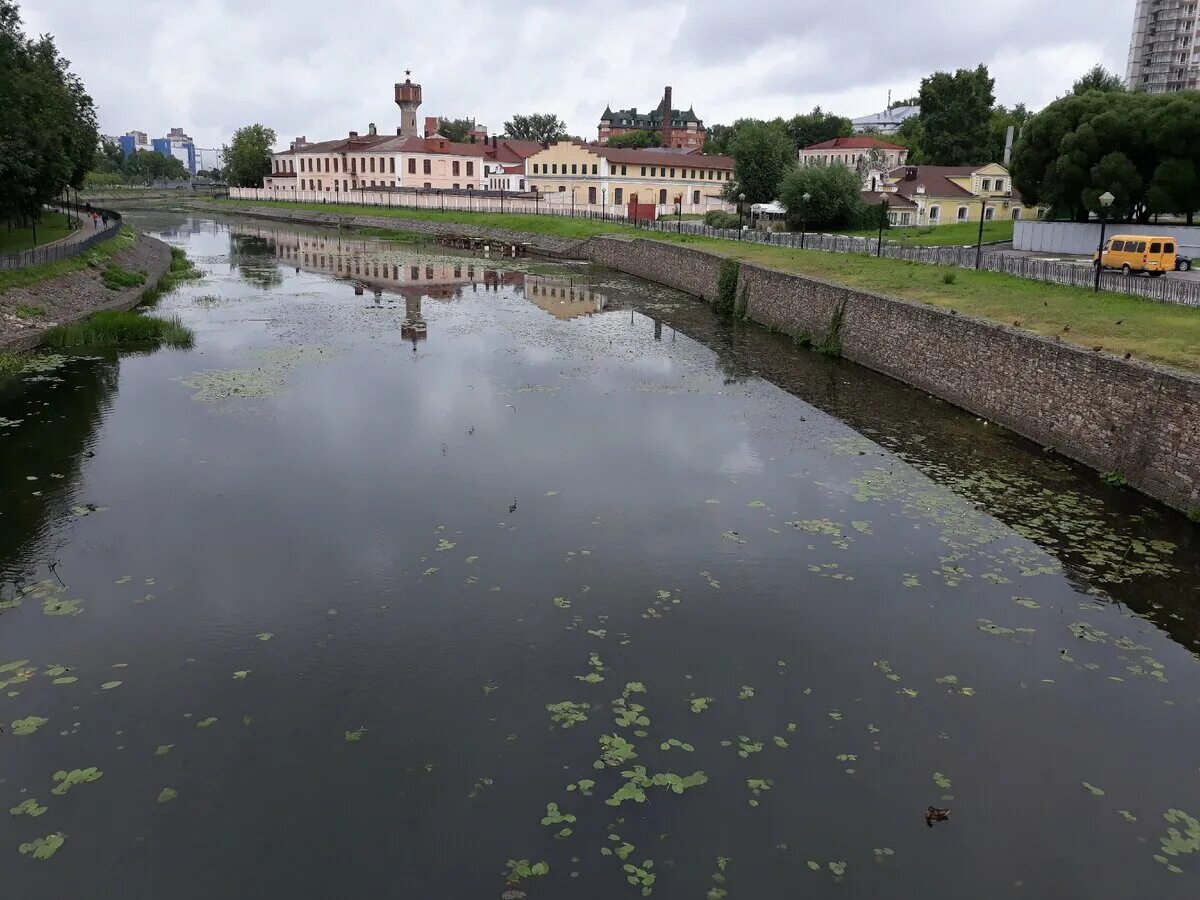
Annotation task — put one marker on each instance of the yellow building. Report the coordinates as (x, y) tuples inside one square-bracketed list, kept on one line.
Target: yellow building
[(592, 174), (942, 195)]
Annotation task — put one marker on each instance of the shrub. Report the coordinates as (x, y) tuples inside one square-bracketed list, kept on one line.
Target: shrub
[(718, 218), (115, 278), (1114, 479), (10, 364), (835, 199), (724, 302), (112, 327), (1193, 513), (949, 278)]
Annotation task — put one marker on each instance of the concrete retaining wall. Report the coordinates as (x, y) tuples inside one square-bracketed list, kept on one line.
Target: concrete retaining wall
[(1110, 413), (1082, 238)]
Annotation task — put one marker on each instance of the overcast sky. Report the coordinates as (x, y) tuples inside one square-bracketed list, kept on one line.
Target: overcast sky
[(321, 68)]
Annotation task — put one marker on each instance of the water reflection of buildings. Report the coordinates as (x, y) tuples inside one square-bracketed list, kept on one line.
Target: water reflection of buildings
[(564, 298)]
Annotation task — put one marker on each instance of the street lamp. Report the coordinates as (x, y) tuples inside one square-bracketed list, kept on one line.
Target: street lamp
[(679, 213), (470, 194), (979, 243), (741, 215), (572, 202), (883, 207), (1106, 201), (806, 197)]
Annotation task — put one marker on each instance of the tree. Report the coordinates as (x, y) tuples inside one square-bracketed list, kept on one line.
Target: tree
[(835, 197), (717, 139), (541, 127), (150, 165), (636, 139), (816, 127), (1098, 78), (763, 153), (48, 132), (1175, 187), (248, 155), (457, 130), (955, 112), (1002, 117)]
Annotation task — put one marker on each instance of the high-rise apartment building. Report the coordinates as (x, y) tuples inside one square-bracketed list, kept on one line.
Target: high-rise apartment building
[(1163, 54)]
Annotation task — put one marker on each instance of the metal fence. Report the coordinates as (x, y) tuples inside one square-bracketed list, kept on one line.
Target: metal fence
[(1165, 290), (87, 235)]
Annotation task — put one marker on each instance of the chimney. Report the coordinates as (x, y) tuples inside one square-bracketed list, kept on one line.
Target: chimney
[(371, 129), (354, 134), (398, 131), (493, 142), (1008, 144), (910, 173), (665, 108)]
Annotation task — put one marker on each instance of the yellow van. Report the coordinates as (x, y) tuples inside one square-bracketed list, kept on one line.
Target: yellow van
[(1150, 253)]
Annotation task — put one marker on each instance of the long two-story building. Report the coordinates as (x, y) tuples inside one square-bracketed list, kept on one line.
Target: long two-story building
[(598, 174)]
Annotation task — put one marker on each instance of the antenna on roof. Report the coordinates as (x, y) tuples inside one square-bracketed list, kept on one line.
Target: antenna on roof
[(889, 106)]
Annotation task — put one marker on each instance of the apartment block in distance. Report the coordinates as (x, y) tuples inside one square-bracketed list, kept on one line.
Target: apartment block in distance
[(1163, 55)]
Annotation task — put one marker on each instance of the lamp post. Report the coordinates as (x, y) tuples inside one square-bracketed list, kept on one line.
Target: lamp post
[(806, 197), (1106, 201), (470, 194), (883, 212), (572, 202), (979, 242), (679, 213), (741, 215)]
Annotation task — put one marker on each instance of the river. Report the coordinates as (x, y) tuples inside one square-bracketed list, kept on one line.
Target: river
[(431, 575)]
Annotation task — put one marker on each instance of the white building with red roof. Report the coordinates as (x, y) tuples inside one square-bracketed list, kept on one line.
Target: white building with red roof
[(869, 156)]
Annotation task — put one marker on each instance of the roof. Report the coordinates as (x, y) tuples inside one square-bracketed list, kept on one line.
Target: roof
[(652, 120), (893, 116), (936, 180), (280, 175), (895, 201), (517, 169), (853, 143), (511, 150), (655, 156), (385, 143)]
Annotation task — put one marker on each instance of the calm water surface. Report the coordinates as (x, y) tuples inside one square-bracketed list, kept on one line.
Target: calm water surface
[(322, 575)]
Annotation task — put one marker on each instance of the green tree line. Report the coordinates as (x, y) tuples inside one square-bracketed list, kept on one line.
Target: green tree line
[(48, 127)]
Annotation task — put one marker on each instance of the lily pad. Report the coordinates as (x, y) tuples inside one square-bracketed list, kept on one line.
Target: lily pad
[(28, 725), (166, 795), (43, 848), (109, 685), (67, 780), (27, 808)]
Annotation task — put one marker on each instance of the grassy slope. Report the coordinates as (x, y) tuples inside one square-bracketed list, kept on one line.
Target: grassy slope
[(1158, 332), (52, 227), (100, 253), (954, 235)]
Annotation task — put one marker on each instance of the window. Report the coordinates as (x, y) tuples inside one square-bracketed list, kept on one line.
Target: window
[(987, 184), (1016, 215), (335, 164), (427, 168), (962, 214), (989, 213), (372, 164), (554, 168), (999, 184), (662, 197), (1141, 247), (653, 171), (934, 212), (456, 185), (695, 198), (672, 171), (1156, 247), (623, 170), (562, 189), (591, 195), (574, 166), (535, 168), (412, 166), (470, 167), (327, 164), (345, 185), (595, 169), (522, 185), (693, 173), (392, 165), (381, 165), (1168, 247), (454, 168), (1116, 245), (643, 171), (619, 196), (428, 185)]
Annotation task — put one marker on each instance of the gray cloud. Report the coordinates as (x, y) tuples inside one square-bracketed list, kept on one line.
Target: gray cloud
[(320, 69)]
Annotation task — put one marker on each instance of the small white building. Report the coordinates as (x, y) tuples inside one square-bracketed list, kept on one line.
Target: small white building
[(886, 122)]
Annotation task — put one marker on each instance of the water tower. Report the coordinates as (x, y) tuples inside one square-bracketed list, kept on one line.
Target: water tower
[(408, 98)]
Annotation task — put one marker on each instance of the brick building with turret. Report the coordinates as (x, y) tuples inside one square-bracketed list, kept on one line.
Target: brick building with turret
[(680, 129)]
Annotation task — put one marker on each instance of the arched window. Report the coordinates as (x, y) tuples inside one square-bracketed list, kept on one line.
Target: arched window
[(1016, 215), (934, 213), (591, 195), (619, 196), (989, 214), (662, 197), (962, 214)]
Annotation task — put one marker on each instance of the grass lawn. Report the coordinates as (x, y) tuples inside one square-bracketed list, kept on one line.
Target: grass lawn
[(52, 227), (99, 255), (1158, 332), (955, 235)]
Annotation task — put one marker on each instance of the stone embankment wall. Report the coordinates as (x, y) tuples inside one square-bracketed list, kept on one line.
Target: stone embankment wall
[(1110, 413), (76, 295), (545, 244)]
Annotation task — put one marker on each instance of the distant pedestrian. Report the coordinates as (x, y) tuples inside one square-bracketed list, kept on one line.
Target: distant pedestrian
[(104, 218), (88, 207), (95, 220)]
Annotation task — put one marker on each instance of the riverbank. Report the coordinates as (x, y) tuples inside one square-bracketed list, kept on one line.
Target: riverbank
[(116, 275)]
